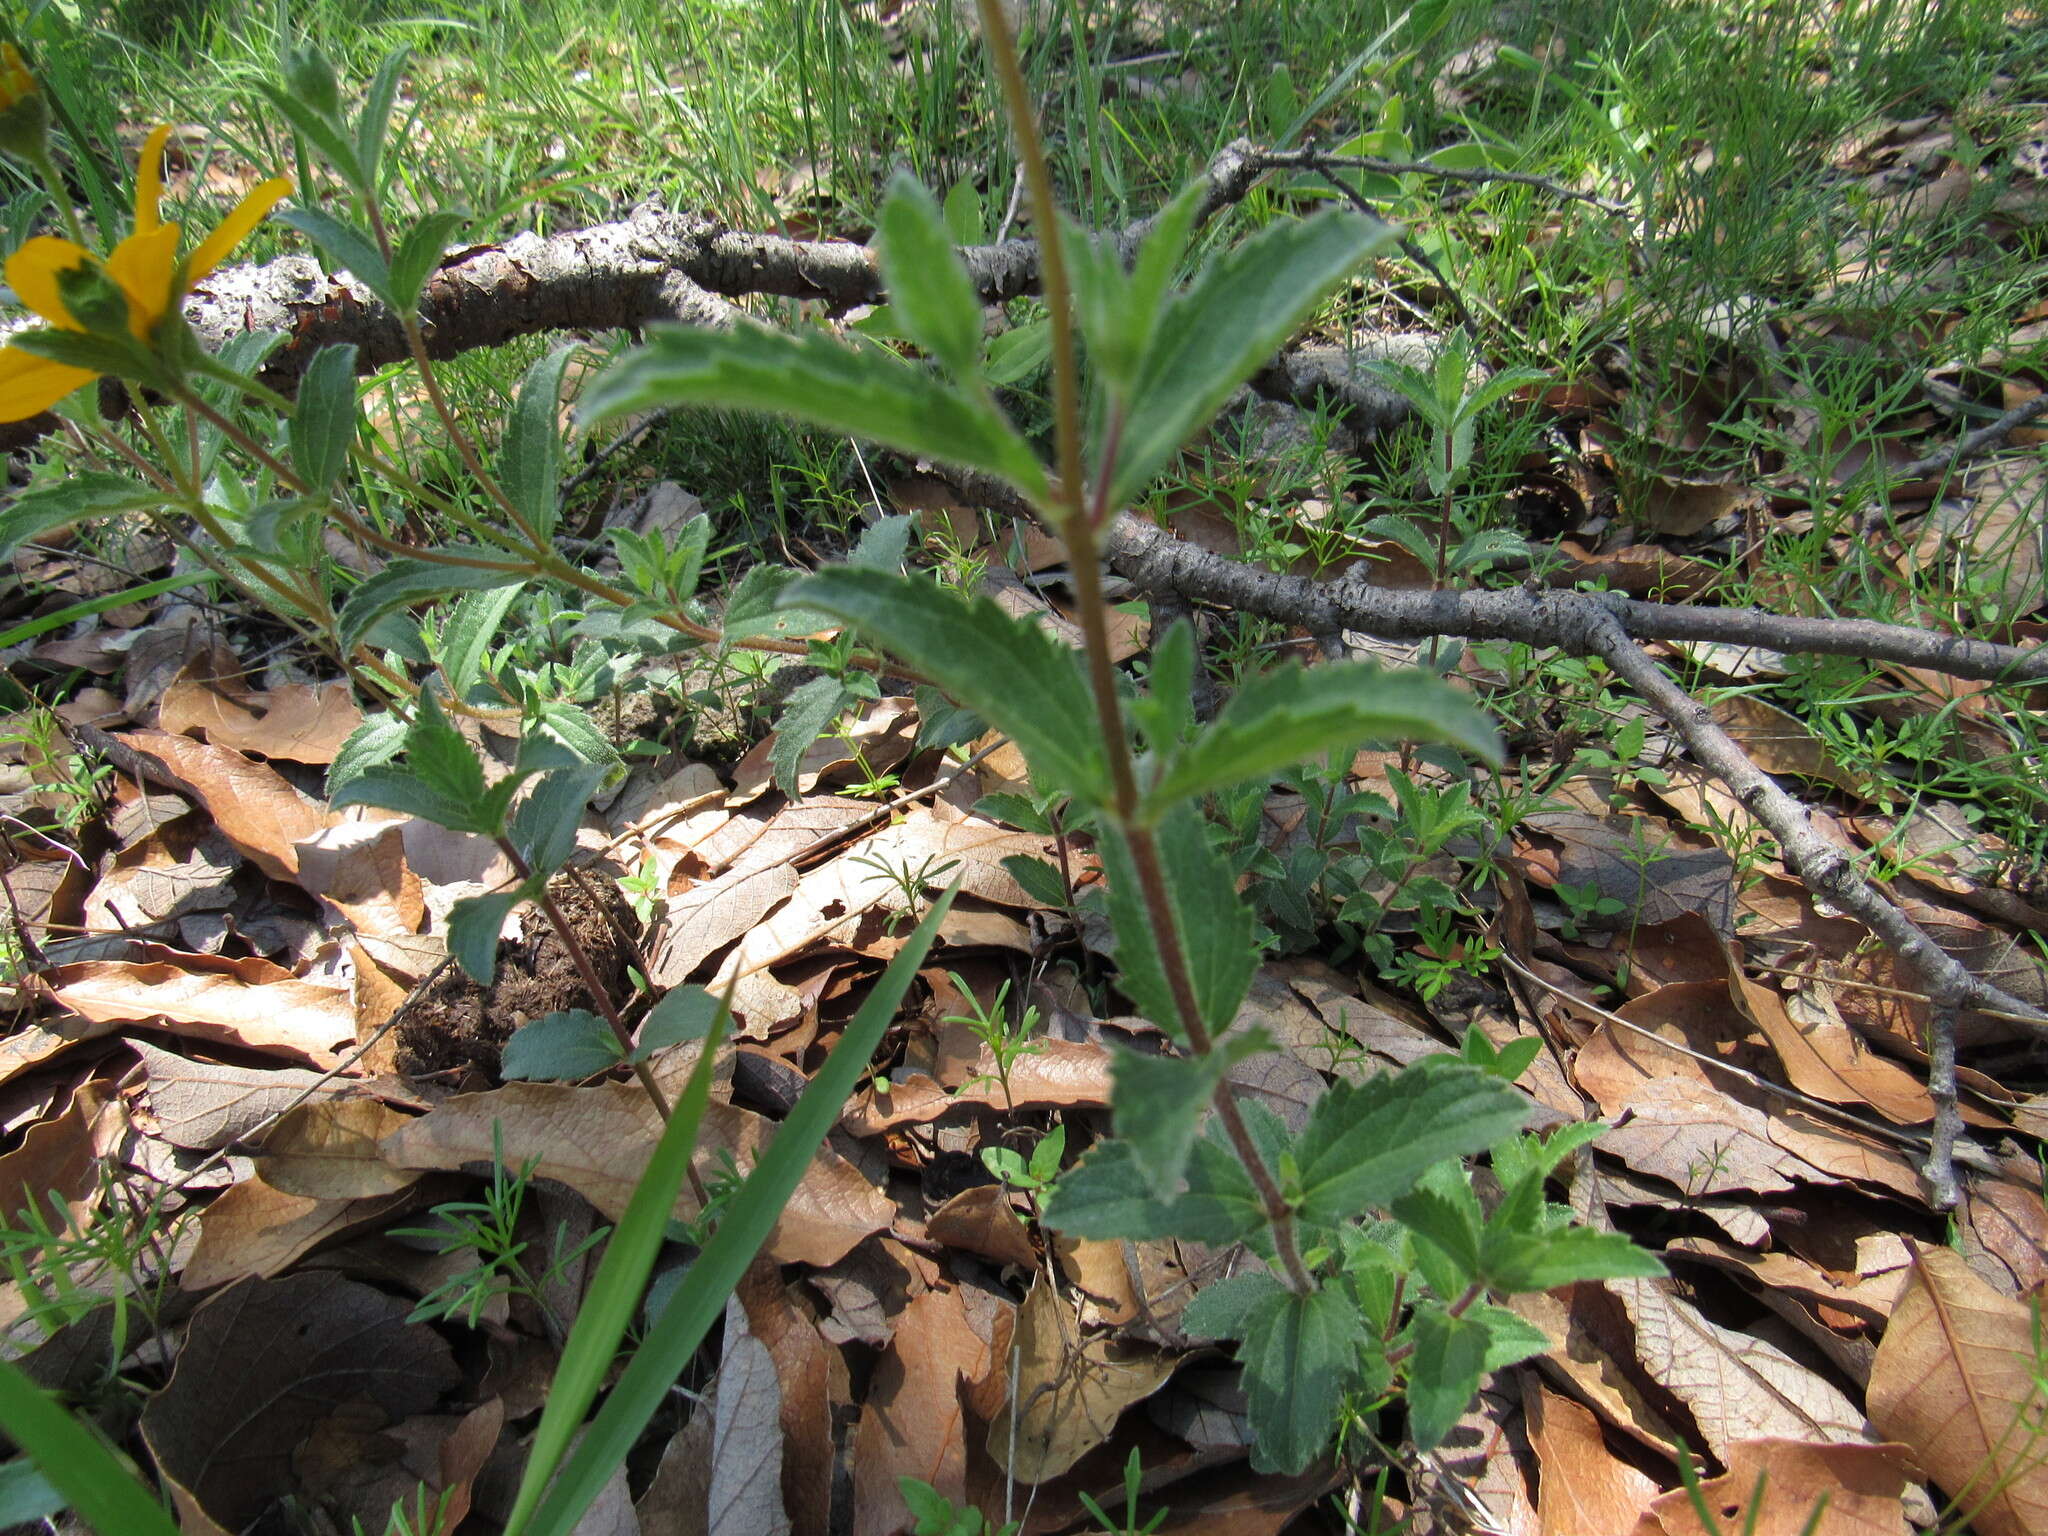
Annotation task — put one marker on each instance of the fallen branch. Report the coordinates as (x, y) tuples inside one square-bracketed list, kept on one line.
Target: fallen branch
[(1316, 160), (1972, 444)]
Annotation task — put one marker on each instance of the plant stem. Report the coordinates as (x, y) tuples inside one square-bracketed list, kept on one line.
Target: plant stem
[(1083, 510)]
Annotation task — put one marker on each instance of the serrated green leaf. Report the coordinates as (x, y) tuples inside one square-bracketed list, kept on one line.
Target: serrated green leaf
[(1366, 1144), (1107, 1195), (883, 545), (58, 504), (399, 789), (1444, 1372), (1221, 1308), (1510, 1338), (1007, 670), (379, 739), (420, 252), (755, 608), (323, 424), (346, 249), (405, 581), (317, 129), (868, 392), (1442, 1210), (1214, 925), (1239, 311), (467, 636), (474, 924), (530, 458), (805, 715), (1300, 1356), (1158, 1101), (927, 283), (563, 1047), (942, 723), (1295, 713)]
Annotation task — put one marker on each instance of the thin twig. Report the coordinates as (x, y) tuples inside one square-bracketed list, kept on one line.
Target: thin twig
[(1972, 444), (1314, 159)]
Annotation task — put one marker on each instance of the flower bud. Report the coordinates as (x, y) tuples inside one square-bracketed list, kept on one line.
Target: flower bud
[(24, 115), (94, 300)]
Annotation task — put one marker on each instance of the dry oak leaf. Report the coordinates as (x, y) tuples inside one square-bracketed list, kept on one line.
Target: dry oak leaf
[(328, 1150), (1956, 1379), (255, 807), (814, 1387), (1592, 1355), (1827, 1060), (62, 1154), (1068, 1388), (981, 1220), (303, 722), (1781, 743), (205, 1105), (1584, 1488), (745, 1496), (263, 1363), (1700, 1139), (1775, 1487), (279, 1013)]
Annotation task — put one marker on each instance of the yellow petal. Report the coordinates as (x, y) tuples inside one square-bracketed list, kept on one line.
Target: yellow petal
[(146, 266), (30, 385), (32, 274), (234, 229), (149, 181)]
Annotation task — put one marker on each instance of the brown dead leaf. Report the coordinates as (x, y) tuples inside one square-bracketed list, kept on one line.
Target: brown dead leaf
[(1486, 1461), (881, 737), (203, 1105), (1995, 536), (263, 1363), (1956, 1380), (913, 1422), (255, 806), (1738, 1387), (1069, 1389), (1693, 1135), (981, 1220), (1592, 1355), (1825, 1059), (1585, 1489), (61, 1155), (814, 1386), (1775, 1487), (280, 1014), (2004, 1232), (328, 1150), (302, 722), (256, 1230), (745, 1496), (1780, 743)]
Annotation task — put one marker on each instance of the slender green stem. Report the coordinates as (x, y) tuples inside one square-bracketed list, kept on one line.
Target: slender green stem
[(46, 168), (1082, 511)]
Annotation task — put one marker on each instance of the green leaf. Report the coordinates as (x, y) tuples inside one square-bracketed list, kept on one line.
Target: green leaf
[(90, 1477), (1214, 925), (324, 417), (346, 249), (1041, 881), (420, 252), (1239, 311), (530, 459), (1366, 1144), (963, 214), (1158, 1101), (1295, 713), (1009, 671), (1442, 1210), (1444, 1372), (1300, 1356), (378, 740), (942, 723), (927, 282), (73, 612), (562, 1047), (614, 1294), (407, 580), (883, 545), (1019, 353), (805, 715), (684, 1013), (1107, 1195), (868, 392), (1165, 711), (373, 125), (399, 789), (319, 130), (26, 1496), (754, 607), (467, 636), (544, 826), (1222, 1309), (474, 924), (58, 504), (1529, 1261), (671, 1343), (1510, 1338)]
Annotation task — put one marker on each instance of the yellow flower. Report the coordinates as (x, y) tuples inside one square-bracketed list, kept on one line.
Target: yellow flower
[(144, 267)]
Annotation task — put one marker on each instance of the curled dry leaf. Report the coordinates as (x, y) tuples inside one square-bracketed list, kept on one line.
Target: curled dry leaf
[(981, 1220), (254, 806), (263, 1363), (303, 722), (813, 1382), (1957, 1380), (328, 1150), (1775, 1488), (256, 1230)]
